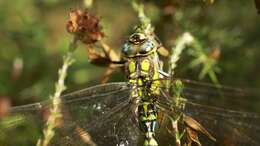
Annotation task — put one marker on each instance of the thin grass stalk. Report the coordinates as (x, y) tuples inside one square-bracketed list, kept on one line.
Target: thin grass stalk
[(181, 43), (145, 22), (55, 111), (177, 133), (185, 39)]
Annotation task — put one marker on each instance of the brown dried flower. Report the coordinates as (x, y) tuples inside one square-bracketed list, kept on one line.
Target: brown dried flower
[(85, 26)]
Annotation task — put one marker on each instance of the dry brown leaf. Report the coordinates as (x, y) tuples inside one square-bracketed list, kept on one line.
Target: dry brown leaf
[(106, 76), (110, 53), (190, 122), (97, 58), (192, 137)]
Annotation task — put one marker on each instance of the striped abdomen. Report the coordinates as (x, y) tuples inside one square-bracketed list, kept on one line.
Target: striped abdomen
[(141, 73)]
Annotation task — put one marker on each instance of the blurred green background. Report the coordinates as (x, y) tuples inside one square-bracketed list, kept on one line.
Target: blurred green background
[(33, 39)]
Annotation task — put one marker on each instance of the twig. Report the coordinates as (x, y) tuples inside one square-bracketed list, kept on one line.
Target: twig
[(55, 111), (145, 25), (176, 131), (181, 43)]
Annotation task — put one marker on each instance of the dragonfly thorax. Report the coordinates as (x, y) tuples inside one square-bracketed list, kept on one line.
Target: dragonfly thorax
[(142, 69)]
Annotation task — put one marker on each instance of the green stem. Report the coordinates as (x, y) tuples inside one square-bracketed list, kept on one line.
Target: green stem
[(177, 133), (145, 25)]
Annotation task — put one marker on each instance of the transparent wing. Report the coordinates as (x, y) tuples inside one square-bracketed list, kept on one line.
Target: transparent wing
[(102, 115), (203, 102), (221, 96), (107, 121), (96, 115), (227, 126), (217, 95)]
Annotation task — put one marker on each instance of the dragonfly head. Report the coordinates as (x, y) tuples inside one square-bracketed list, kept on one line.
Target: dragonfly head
[(139, 44), (137, 38)]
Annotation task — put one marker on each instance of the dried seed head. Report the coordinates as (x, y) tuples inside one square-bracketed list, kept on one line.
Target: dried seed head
[(85, 26)]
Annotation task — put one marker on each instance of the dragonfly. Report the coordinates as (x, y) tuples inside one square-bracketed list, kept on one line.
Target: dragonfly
[(150, 109)]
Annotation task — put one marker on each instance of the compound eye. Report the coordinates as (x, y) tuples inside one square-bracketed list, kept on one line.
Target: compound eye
[(137, 38), (127, 50), (146, 48)]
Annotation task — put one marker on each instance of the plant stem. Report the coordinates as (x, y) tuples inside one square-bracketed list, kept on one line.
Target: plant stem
[(145, 25), (177, 133), (55, 111), (184, 40)]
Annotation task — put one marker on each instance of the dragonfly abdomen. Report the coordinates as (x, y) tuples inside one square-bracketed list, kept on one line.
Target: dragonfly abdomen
[(142, 75), (147, 116)]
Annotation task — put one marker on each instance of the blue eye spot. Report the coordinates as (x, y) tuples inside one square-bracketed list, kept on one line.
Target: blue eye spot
[(150, 44), (125, 48)]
